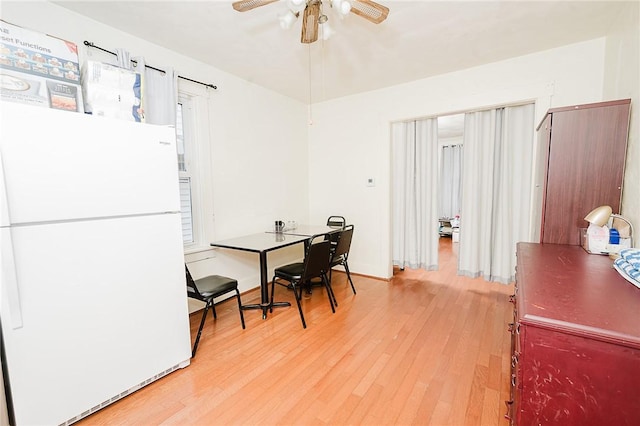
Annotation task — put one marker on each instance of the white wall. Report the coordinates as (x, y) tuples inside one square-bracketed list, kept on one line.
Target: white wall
[(622, 80), (352, 134), (257, 140)]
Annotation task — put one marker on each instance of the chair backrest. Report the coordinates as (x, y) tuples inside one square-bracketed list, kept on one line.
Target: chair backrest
[(344, 242), (336, 221), (192, 289), (316, 260)]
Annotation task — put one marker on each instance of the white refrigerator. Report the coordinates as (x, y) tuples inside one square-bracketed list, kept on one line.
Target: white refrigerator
[(93, 299)]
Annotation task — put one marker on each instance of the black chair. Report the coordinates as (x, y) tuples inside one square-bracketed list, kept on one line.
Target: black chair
[(315, 265), (340, 254), (206, 289), (336, 221)]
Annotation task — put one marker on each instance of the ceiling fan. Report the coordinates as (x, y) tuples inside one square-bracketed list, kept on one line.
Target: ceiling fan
[(312, 12)]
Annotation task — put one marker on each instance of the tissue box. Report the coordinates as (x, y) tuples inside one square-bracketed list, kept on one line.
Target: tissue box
[(111, 91), (594, 242), (38, 69), (597, 244)]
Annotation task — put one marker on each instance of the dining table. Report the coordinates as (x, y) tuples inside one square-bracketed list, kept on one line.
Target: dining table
[(264, 242), (308, 230)]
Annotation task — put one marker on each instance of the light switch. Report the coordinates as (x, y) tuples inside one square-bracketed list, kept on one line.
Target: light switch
[(371, 182)]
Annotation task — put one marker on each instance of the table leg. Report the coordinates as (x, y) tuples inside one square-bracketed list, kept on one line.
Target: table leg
[(265, 305)]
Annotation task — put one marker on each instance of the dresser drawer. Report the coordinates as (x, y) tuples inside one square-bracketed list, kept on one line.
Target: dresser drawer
[(575, 340)]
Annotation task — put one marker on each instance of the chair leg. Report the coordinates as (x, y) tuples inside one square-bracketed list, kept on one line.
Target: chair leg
[(213, 309), (204, 317), (298, 297), (240, 308), (333, 295), (330, 295), (273, 289), (346, 268)]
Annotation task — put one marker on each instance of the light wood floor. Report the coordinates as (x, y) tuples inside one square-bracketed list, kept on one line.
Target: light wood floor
[(426, 348)]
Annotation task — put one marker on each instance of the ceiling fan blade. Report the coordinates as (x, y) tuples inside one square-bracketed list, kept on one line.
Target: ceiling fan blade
[(310, 22), (370, 10), (244, 5)]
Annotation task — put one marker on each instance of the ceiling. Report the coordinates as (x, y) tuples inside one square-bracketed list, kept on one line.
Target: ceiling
[(419, 39)]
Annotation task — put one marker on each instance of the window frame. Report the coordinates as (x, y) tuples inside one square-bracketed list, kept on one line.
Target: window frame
[(195, 114)]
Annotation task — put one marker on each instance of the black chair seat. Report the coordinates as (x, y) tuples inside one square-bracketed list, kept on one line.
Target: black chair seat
[(206, 289), (291, 272), (215, 285), (337, 260)]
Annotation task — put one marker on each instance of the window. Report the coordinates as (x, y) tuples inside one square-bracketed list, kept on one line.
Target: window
[(186, 204), (194, 169), (192, 137)]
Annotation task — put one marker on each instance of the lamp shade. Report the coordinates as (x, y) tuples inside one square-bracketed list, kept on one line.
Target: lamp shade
[(599, 216)]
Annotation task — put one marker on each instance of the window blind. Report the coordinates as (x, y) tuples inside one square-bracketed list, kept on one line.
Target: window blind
[(186, 210)]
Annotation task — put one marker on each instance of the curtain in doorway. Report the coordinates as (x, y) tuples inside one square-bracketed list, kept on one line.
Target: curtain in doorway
[(450, 181), (415, 187), (496, 191)]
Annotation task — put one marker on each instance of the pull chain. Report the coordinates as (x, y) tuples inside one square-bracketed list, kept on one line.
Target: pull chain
[(309, 62)]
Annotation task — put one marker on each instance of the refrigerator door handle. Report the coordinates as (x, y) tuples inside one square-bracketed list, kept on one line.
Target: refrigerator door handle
[(8, 276)]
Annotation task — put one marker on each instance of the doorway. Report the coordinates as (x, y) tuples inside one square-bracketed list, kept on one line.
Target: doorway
[(495, 191), (450, 160)]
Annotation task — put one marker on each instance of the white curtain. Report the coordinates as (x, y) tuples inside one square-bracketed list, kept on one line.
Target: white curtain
[(450, 181), (159, 94), (159, 89), (415, 187), (496, 190)]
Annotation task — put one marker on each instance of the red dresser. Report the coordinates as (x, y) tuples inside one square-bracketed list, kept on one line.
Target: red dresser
[(575, 341)]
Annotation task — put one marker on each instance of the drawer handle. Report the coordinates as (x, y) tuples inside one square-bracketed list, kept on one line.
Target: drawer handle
[(509, 404)]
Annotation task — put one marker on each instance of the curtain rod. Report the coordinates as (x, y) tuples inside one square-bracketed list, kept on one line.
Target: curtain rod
[(91, 44)]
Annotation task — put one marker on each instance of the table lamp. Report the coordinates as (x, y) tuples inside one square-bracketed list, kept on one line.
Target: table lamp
[(600, 217)]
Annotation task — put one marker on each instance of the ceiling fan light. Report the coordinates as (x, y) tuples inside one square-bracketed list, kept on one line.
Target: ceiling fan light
[(327, 31), (286, 19), (345, 7), (296, 5)]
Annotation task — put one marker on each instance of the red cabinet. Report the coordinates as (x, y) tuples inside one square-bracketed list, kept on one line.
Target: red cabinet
[(585, 148), (575, 340)]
